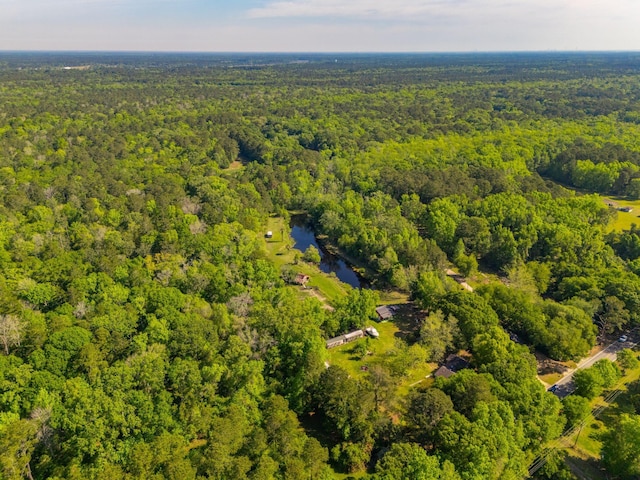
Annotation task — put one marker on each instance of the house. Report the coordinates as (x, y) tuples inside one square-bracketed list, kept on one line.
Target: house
[(346, 338), (453, 364), (384, 312), (302, 279), (356, 334), (443, 372), (336, 342)]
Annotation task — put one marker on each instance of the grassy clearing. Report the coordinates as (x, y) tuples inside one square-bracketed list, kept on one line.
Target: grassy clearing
[(417, 376), (585, 444), (482, 278), (550, 378), (347, 357), (233, 166), (281, 252), (624, 220), (392, 297), (344, 356)]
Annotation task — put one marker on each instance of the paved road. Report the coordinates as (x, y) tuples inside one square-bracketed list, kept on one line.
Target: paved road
[(565, 386)]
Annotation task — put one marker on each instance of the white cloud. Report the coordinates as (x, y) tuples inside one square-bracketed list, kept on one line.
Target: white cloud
[(421, 9), (352, 8)]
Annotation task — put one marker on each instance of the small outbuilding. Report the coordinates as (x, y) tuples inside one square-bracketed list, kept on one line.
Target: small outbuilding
[(384, 312), (453, 363), (302, 279), (269, 234)]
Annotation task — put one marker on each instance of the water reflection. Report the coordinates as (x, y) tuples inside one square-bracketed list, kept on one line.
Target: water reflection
[(304, 237)]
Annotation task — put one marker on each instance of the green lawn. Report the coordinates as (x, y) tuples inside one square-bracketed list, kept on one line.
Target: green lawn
[(551, 378), (392, 297), (624, 219), (346, 356), (235, 166), (343, 356)]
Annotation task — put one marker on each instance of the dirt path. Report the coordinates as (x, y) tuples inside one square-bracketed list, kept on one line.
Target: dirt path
[(459, 278), (314, 293)]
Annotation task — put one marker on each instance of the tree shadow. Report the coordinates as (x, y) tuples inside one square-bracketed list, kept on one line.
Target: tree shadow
[(408, 318), (589, 469)]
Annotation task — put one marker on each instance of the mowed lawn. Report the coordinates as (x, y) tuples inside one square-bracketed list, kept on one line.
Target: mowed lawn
[(624, 220), (347, 356), (344, 356)]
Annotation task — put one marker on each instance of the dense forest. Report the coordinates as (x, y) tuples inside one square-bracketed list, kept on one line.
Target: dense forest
[(146, 332)]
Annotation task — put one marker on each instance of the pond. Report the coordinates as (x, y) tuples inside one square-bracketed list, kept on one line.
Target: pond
[(304, 236)]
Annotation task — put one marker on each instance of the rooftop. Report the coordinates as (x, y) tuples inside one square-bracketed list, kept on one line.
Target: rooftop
[(385, 312)]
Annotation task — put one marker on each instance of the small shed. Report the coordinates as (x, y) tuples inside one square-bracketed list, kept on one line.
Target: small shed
[(269, 234), (302, 279), (384, 312)]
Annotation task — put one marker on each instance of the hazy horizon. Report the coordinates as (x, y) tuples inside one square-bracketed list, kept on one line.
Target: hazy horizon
[(320, 26)]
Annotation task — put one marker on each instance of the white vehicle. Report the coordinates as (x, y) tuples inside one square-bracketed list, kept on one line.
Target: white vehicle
[(372, 332), (623, 338)]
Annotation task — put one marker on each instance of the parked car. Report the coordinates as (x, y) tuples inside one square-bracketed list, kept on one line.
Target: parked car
[(623, 338), (553, 388)]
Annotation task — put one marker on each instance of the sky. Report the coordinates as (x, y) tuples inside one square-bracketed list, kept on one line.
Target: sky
[(320, 25)]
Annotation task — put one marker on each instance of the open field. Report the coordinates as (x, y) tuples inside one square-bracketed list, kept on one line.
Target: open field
[(380, 350), (345, 355), (624, 220), (233, 166), (391, 297)]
